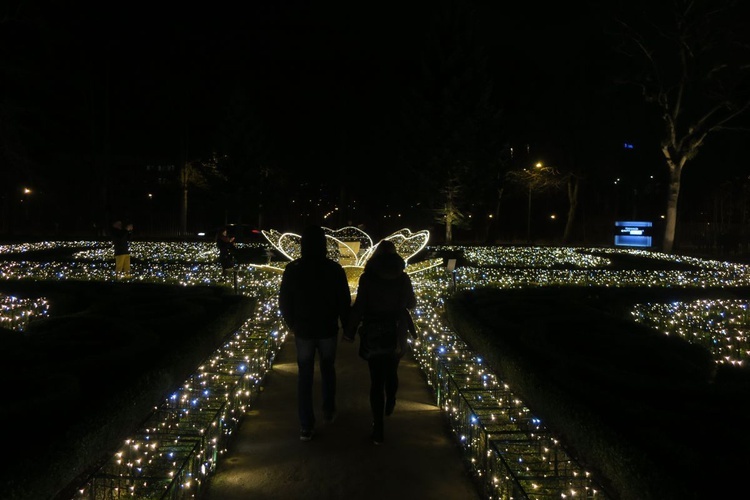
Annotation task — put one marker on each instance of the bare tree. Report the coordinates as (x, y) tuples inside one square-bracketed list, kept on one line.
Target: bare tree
[(693, 68), (572, 183), (541, 179), (195, 173), (452, 126), (451, 215)]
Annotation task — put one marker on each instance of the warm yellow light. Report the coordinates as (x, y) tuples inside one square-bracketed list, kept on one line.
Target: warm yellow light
[(437, 342)]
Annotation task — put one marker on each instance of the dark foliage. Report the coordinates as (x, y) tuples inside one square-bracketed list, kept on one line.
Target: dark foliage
[(649, 414), (84, 378)]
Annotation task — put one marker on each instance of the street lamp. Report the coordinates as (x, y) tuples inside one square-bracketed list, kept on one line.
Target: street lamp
[(25, 202), (528, 213)]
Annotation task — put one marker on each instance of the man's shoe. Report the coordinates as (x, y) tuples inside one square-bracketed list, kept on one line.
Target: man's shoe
[(305, 434), (329, 418), (377, 434)]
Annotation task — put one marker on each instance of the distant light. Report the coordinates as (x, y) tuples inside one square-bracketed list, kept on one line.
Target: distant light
[(628, 145), (26, 191), (201, 234), (553, 216)]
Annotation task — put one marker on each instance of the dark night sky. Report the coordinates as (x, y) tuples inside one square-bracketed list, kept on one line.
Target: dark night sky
[(318, 73), (150, 82)]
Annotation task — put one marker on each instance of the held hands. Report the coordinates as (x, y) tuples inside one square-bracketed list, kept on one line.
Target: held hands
[(347, 333), (402, 346)]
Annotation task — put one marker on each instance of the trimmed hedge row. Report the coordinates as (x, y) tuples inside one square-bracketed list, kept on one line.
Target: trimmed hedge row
[(636, 407), (86, 377)]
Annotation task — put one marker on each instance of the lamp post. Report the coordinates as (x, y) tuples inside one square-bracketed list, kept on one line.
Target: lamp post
[(528, 218), (528, 213), (151, 214)]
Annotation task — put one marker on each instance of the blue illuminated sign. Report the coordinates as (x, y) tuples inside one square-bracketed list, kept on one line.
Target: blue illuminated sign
[(633, 234)]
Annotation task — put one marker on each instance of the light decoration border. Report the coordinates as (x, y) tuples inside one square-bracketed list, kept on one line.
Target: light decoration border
[(721, 326), (471, 396), (16, 312)]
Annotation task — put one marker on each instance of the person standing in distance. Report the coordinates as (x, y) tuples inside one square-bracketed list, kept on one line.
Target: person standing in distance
[(315, 301), (225, 244), (121, 243)]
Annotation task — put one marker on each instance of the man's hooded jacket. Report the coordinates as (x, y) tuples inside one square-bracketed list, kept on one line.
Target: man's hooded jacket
[(314, 294)]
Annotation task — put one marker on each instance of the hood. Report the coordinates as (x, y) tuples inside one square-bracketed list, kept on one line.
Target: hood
[(386, 266), (313, 243)]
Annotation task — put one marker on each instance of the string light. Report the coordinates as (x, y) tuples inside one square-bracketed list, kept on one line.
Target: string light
[(16, 313), (721, 326), (183, 439)]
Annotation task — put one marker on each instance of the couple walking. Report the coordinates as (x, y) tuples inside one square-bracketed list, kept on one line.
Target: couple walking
[(315, 301)]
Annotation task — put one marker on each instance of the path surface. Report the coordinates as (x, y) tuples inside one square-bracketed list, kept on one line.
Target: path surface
[(266, 459)]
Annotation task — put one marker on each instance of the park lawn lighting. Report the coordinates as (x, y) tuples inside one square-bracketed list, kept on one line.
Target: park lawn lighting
[(180, 444)]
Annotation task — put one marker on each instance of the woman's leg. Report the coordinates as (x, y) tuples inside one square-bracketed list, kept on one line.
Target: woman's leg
[(391, 384), (377, 396)]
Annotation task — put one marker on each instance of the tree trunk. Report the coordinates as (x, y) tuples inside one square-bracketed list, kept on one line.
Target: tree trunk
[(572, 206), (493, 226), (675, 172), (183, 212)]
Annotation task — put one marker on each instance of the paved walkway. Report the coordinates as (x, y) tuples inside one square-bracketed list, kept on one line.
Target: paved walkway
[(419, 459)]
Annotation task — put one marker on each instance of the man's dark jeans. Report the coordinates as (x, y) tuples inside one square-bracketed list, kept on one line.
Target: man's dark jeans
[(306, 349)]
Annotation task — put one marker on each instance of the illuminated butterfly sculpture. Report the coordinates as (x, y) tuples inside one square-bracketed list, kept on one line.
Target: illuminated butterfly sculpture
[(351, 247)]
